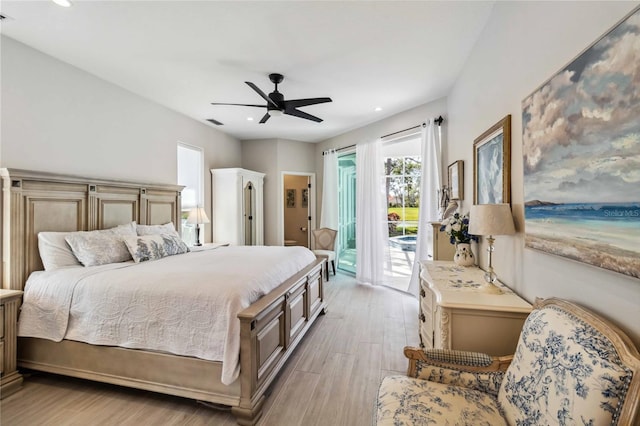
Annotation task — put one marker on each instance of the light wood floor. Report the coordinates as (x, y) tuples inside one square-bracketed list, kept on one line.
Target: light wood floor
[(338, 365)]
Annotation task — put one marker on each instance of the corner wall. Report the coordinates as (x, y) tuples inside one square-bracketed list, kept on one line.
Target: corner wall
[(58, 118), (272, 157), (522, 46)]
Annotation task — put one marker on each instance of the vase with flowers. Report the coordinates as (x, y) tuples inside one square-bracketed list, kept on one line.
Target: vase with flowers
[(457, 228)]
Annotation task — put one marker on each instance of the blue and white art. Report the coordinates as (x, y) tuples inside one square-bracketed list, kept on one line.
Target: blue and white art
[(581, 148)]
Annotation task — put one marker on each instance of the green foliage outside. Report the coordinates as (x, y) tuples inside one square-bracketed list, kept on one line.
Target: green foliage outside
[(410, 214)]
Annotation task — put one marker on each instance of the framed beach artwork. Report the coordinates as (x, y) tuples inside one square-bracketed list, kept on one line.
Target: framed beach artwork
[(304, 192), (581, 152), (456, 180), (492, 164)]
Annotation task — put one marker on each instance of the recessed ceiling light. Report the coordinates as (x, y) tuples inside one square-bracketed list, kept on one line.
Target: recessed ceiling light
[(378, 109), (63, 3), (249, 118)]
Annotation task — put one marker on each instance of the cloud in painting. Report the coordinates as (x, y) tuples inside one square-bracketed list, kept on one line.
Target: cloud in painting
[(586, 119)]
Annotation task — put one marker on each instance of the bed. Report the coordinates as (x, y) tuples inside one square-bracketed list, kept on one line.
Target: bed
[(271, 324)]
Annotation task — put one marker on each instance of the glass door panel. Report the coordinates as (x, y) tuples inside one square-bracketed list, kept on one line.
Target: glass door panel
[(347, 213)]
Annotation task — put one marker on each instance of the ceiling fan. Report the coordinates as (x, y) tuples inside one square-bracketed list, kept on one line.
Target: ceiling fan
[(277, 105)]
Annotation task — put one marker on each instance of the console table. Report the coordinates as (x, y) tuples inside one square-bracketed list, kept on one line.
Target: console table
[(456, 312)]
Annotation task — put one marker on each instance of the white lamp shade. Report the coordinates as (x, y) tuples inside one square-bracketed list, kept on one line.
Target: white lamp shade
[(491, 219), (198, 216)]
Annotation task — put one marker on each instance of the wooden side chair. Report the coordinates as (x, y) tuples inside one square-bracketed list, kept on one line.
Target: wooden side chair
[(324, 245)]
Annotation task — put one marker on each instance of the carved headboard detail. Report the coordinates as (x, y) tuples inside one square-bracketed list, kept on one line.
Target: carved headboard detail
[(36, 201)]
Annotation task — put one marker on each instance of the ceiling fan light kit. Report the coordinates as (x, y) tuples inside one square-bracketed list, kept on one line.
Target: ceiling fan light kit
[(277, 105)]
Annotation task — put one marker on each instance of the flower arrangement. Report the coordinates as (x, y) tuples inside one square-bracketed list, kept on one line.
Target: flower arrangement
[(457, 228)]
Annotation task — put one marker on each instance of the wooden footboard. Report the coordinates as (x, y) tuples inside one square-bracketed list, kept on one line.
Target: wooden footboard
[(271, 328)]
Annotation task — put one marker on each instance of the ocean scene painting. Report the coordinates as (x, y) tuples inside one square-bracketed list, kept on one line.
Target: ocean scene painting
[(581, 151)]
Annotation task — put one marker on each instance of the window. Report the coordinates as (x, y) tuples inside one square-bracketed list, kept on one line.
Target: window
[(191, 175), (402, 176)]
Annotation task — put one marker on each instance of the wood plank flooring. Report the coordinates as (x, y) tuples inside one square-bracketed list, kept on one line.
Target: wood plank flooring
[(338, 365)]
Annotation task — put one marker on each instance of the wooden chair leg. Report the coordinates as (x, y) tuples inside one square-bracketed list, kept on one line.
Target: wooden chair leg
[(333, 266), (326, 269)]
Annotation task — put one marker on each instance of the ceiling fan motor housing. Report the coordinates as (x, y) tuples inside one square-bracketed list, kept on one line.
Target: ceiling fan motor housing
[(278, 99)]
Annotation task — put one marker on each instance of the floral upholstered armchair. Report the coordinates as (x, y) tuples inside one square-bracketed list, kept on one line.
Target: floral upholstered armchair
[(570, 367)]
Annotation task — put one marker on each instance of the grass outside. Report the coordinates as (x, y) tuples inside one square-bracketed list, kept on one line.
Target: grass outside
[(410, 215)]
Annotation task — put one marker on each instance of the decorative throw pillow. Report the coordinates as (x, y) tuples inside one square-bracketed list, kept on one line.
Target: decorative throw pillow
[(167, 228), (153, 247), (55, 252), (101, 247)]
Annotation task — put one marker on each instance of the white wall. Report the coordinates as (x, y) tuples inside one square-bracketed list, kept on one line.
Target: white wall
[(58, 118), (524, 44)]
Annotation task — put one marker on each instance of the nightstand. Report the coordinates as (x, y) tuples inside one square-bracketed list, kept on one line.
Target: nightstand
[(208, 246), (10, 379), (456, 311)]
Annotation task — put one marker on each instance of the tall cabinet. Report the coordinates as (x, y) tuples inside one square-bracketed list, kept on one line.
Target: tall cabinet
[(238, 206)]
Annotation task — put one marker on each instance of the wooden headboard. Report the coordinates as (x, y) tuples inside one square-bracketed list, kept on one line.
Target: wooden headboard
[(36, 201)]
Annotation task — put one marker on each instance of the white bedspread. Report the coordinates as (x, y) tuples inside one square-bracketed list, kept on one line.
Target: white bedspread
[(185, 304)]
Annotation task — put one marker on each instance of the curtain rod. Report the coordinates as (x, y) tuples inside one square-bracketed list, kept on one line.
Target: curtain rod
[(437, 121)]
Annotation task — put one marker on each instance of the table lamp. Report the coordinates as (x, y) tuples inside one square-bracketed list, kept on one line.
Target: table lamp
[(197, 216), (490, 220)]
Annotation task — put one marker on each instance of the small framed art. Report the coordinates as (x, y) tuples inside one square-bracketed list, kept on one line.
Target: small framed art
[(492, 164), (456, 180), (290, 198)]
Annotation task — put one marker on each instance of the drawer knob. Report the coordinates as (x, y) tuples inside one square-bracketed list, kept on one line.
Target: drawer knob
[(422, 318), (422, 292)]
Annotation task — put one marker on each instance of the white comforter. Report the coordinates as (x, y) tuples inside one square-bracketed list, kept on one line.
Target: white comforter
[(185, 304)]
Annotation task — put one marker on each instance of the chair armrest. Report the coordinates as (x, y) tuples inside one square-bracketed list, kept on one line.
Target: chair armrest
[(467, 369)]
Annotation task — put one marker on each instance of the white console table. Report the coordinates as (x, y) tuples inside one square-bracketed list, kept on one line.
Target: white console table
[(456, 312)]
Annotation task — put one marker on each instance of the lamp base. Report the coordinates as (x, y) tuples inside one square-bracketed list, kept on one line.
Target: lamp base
[(491, 288), (197, 243)]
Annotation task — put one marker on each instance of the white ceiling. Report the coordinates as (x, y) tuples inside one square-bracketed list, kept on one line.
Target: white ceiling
[(187, 54)]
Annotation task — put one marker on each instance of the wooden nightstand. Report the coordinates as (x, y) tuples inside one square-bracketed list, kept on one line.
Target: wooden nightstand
[(456, 311), (10, 379)]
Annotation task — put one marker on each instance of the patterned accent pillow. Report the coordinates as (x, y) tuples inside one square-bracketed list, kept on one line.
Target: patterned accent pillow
[(101, 247), (154, 247), (167, 229)]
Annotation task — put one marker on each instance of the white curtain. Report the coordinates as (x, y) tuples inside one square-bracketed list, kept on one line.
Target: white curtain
[(329, 212), (430, 182), (372, 232)]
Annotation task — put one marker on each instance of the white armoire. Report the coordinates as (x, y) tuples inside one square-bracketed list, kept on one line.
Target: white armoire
[(238, 206)]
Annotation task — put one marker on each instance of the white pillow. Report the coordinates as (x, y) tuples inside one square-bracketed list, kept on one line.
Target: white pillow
[(101, 247), (153, 247), (167, 228), (55, 252)]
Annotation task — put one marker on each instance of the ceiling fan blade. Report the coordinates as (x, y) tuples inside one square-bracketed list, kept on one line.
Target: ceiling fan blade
[(301, 114), (216, 122), (249, 105), (265, 118), (261, 93), (296, 103)]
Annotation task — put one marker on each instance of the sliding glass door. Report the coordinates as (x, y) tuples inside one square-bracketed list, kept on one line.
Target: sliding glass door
[(347, 212)]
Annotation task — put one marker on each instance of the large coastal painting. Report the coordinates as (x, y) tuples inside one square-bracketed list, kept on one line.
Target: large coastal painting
[(581, 148)]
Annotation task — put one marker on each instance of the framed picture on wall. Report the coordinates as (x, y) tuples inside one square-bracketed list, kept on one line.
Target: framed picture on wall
[(290, 198), (492, 164), (304, 202), (456, 180)]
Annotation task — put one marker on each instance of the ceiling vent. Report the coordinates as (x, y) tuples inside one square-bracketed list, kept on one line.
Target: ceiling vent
[(216, 122)]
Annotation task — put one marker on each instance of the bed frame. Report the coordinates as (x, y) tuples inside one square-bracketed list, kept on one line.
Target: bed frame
[(271, 328)]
